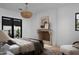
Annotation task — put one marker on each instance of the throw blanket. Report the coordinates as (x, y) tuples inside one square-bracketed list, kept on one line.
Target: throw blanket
[(38, 44)]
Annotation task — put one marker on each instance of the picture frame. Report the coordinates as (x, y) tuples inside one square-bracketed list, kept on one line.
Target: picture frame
[(45, 22)]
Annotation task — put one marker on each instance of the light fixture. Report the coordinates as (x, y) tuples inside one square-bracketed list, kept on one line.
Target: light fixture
[(25, 13)]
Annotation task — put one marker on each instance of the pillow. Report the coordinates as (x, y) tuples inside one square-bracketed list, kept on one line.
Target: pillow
[(4, 49), (10, 42), (3, 36), (76, 45), (75, 42)]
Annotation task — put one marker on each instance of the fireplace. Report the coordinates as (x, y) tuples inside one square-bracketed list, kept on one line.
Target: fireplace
[(45, 35)]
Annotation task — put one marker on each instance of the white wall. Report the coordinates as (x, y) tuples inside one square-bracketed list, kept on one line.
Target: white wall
[(37, 19), (66, 33), (62, 23), (26, 25)]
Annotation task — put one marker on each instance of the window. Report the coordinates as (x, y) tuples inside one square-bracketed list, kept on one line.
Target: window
[(76, 21), (12, 26)]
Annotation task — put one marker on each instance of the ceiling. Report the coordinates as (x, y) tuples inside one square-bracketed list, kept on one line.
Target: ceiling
[(34, 7)]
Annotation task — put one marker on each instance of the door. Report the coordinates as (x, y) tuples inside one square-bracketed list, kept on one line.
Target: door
[(12, 26), (17, 28)]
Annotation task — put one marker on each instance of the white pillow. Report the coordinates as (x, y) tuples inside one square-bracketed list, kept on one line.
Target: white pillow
[(4, 49)]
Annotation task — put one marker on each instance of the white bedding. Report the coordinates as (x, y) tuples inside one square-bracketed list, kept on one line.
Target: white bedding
[(25, 46), (69, 50), (15, 49), (21, 45)]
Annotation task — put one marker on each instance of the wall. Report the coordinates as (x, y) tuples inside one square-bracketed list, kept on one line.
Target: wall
[(37, 19), (66, 33), (26, 23), (62, 23)]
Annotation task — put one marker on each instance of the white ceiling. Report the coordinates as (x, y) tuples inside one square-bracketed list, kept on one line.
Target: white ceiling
[(34, 7)]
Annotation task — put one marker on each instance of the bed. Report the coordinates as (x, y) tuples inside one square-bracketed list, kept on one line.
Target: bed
[(22, 45), (27, 46), (69, 50)]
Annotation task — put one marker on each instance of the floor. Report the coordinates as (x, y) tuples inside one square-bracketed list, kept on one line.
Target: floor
[(51, 50)]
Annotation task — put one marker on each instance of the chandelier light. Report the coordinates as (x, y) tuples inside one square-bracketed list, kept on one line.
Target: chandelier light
[(25, 13)]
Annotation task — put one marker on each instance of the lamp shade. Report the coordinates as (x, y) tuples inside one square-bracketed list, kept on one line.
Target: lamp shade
[(26, 14)]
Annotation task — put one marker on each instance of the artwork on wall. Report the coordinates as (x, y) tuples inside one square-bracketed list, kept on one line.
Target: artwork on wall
[(45, 22)]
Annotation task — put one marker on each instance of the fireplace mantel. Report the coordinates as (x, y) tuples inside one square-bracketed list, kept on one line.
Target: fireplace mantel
[(44, 34)]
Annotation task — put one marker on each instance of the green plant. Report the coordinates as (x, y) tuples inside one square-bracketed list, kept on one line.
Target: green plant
[(17, 33)]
